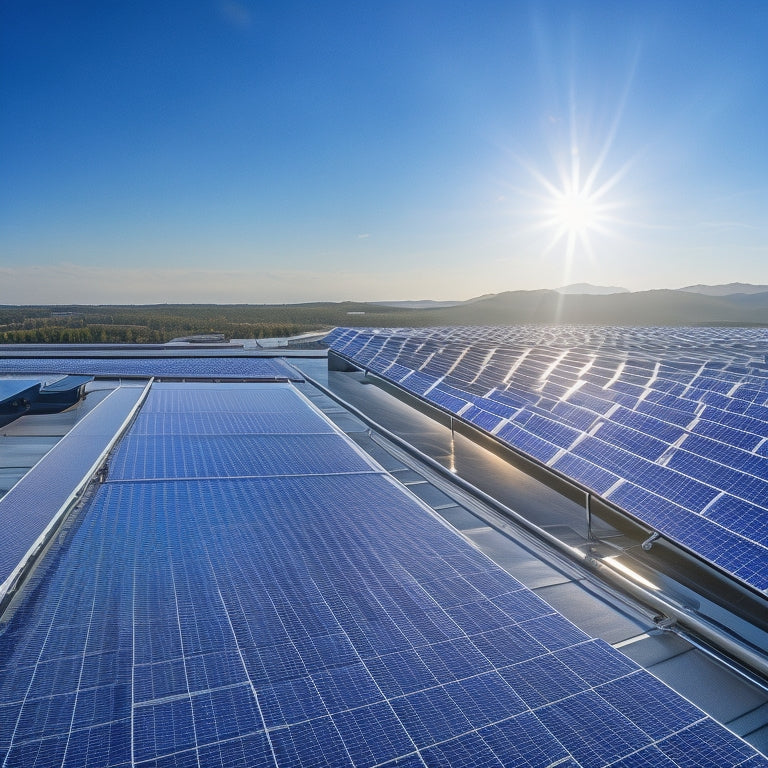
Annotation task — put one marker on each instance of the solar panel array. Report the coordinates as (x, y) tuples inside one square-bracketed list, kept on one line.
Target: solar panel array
[(669, 424), (265, 368), (318, 617)]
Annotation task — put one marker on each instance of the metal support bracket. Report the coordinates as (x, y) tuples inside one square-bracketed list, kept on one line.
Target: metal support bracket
[(648, 543)]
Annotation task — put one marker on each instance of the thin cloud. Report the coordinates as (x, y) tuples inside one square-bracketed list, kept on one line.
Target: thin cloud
[(236, 14)]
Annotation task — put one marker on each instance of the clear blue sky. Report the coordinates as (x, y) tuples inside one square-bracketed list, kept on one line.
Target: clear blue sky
[(230, 151)]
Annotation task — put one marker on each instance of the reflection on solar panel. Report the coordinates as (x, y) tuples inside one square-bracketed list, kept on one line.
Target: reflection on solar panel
[(169, 367), (307, 619), (13, 388), (669, 424), (15, 398)]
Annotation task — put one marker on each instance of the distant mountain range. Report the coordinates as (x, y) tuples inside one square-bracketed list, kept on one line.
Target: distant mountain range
[(726, 290), (422, 304), (735, 304), (642, 308)]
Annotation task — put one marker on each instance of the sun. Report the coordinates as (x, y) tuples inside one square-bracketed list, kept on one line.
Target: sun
[(575, 213)]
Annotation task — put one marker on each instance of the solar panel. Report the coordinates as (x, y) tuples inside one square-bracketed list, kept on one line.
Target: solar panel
[(224, 423), (678, 415), (35, 501), (591, 475), (142, 457), (482, 418)]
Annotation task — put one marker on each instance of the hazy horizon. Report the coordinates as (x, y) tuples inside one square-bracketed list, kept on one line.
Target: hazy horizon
[(353, 299), (242, 152)]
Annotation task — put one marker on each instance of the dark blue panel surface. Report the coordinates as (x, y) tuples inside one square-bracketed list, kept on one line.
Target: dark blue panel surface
[(144, 457), (12, 388), (30, 506)]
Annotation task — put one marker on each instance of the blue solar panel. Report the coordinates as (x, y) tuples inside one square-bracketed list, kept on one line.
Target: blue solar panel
[(551, 431), (701, 742), (447, 400), (33, 503), (742, 557), (482, 418), (737, 483), (736, 515), (591, 475), (632, 440), (300, 422), (737, 421), (571, 414), (648, 425), (420, 382), (146, 457), (533, 445), (222, 398), (591, 730), (659, 717)]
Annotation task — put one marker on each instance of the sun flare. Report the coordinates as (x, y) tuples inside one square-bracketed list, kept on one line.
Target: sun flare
[(575, 208)]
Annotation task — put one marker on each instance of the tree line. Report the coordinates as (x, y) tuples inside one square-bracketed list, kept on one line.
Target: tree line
[(157, 324)]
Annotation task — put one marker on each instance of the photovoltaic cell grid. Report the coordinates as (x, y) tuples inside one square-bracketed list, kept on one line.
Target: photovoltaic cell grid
[(31, 505), (315, 620), (176, 409), (170, 367), (671, 424), (142, 457)]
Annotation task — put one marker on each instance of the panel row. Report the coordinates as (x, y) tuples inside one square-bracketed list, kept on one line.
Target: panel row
[(678, 413)]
